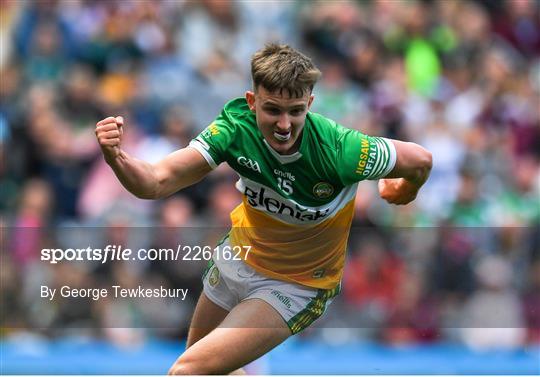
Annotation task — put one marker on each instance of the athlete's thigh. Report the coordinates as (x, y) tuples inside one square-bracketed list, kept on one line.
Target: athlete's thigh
[(250, 330), (206, 317)]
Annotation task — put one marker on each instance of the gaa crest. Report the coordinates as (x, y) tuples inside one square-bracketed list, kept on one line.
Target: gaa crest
[(213, 279)]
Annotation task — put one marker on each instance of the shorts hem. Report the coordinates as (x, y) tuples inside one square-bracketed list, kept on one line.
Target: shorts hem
[(272, 306), (216, 301)]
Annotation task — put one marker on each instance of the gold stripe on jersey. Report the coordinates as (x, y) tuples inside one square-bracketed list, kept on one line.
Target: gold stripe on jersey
[(311, 255)]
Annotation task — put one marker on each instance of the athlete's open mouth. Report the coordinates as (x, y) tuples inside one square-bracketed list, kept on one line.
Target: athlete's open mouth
[(282, 136)]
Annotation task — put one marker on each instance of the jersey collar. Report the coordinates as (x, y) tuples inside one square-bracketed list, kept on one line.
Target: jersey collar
[(284, 159)]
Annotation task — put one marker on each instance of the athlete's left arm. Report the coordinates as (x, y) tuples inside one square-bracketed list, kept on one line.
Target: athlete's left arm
[(411, 171)]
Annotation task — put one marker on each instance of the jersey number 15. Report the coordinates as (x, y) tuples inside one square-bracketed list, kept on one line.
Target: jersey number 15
[(285, 185)]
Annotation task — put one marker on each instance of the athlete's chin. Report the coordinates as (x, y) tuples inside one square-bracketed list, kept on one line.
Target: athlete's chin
[(282, 147)]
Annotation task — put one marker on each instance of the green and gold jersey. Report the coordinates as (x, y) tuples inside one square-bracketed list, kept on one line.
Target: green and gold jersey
[(297, 209)]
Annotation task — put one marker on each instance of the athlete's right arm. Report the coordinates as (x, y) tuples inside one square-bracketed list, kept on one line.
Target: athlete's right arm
[(149, 181)]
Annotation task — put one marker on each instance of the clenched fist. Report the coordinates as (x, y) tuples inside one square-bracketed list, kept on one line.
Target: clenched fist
[(397, 190), (109, 135)]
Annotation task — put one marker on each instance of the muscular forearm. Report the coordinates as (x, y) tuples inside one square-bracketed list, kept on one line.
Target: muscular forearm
[(138, 177), (153, 181), (413, 164), (412, 170), (419, 176), (149, 181)]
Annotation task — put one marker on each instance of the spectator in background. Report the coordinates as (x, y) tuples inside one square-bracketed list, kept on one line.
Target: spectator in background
[(45, 61), (29, 234), (519, 24), (492, 316), (372, 277), (469, 207), (31, 220), (224, 197), (413, 315), (451, 271), (531, 303), (9, 14), (339, 98), (176, 226), (78, 99)]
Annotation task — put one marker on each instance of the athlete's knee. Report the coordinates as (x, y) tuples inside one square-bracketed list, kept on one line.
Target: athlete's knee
[(181, 368), (186, 366)]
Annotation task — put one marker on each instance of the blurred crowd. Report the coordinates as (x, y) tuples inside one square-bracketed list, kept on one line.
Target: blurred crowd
[(462, 78)]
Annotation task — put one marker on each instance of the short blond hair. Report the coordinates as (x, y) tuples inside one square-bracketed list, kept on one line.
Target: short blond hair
[(280, 67)]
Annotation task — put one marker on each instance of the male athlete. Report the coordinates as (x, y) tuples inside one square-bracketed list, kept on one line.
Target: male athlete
[(298, 176)]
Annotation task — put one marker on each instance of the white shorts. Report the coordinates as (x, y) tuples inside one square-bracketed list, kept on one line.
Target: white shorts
[(227, 282)]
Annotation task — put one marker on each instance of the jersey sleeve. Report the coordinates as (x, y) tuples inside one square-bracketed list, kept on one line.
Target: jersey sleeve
[(213, 142), (363, 157)]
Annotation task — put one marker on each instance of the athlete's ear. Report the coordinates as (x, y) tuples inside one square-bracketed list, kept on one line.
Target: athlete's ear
[(250, 98), (311, 98)]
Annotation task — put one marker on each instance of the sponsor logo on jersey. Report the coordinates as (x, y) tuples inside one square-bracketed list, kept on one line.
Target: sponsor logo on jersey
[(284, 174), (281, 297), (367, 158), (249, 163), (211, 130), (257, 199), (323, 190)]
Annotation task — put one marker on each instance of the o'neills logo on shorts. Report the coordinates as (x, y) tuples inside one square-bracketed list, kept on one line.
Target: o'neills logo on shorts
[(284, 299), (258, 199)]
